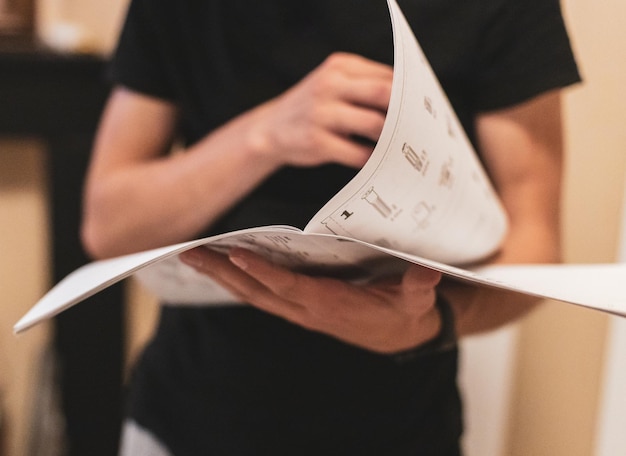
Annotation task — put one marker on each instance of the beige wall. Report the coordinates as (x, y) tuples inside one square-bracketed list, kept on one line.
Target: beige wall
[(23, 279), (83, 25), (562, 346), (561, 349)]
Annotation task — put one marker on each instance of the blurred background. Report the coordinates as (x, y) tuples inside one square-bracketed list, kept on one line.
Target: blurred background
[(552, 384)]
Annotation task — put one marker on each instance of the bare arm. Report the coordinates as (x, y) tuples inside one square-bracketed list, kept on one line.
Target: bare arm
[(138, 196), (522, 148)]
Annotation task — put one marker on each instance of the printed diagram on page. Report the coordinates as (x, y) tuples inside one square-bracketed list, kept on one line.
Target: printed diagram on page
[(399, 197)]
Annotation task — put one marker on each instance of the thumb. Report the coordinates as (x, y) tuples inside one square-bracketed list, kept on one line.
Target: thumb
[(419, 279)]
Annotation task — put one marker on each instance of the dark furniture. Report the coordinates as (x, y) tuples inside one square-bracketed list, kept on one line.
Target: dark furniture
[(59, 98)]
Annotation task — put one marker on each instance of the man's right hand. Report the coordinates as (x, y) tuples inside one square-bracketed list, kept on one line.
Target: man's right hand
[(325, 117)]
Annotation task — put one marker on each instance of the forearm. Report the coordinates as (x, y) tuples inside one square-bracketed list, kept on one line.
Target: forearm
[(136, 198), (173, 198), (479, 308), (522, 148)]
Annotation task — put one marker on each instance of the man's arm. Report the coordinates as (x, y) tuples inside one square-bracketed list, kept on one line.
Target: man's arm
[(522, 150)]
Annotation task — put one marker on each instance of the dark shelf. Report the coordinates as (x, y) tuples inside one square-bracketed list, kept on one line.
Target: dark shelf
[(58, 98)]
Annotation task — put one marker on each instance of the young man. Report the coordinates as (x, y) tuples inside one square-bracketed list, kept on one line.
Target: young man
[(269, 98)]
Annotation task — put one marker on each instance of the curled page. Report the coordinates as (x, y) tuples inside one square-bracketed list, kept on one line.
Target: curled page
[(424, 190)]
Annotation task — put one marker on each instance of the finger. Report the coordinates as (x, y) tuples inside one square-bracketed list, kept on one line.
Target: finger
[(316, 303), (352, 120), (371, 92), (356, 80), (341, 149), (419, 279), (281, 281), (357, 65), (221, 269), (315, 294)]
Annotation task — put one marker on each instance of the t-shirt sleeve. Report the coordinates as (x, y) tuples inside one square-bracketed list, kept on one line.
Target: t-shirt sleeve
[(525, 51), (138, 61)]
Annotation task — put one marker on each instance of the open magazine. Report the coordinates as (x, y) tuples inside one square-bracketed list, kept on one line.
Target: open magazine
[(423, 197)]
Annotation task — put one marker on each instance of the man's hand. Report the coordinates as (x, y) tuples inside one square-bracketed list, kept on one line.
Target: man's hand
[(385, 317), (318, 119)]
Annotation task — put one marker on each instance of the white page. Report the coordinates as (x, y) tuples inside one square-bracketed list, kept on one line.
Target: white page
[(424, 179), (598, 287)]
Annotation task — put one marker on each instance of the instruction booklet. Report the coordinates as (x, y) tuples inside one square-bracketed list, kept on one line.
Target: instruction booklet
[(423, 197)]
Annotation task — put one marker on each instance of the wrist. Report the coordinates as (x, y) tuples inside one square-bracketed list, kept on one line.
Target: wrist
[(444, 340), (260, 138)]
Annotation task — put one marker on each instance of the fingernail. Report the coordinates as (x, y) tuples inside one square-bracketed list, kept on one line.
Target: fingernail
[(191, 258), (238, 261)]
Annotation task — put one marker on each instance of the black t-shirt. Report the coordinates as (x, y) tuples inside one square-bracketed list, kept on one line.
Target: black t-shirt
[(219, 58), (234, 381)]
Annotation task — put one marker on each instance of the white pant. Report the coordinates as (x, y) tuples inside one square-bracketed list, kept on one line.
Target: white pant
[(137, 441)]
